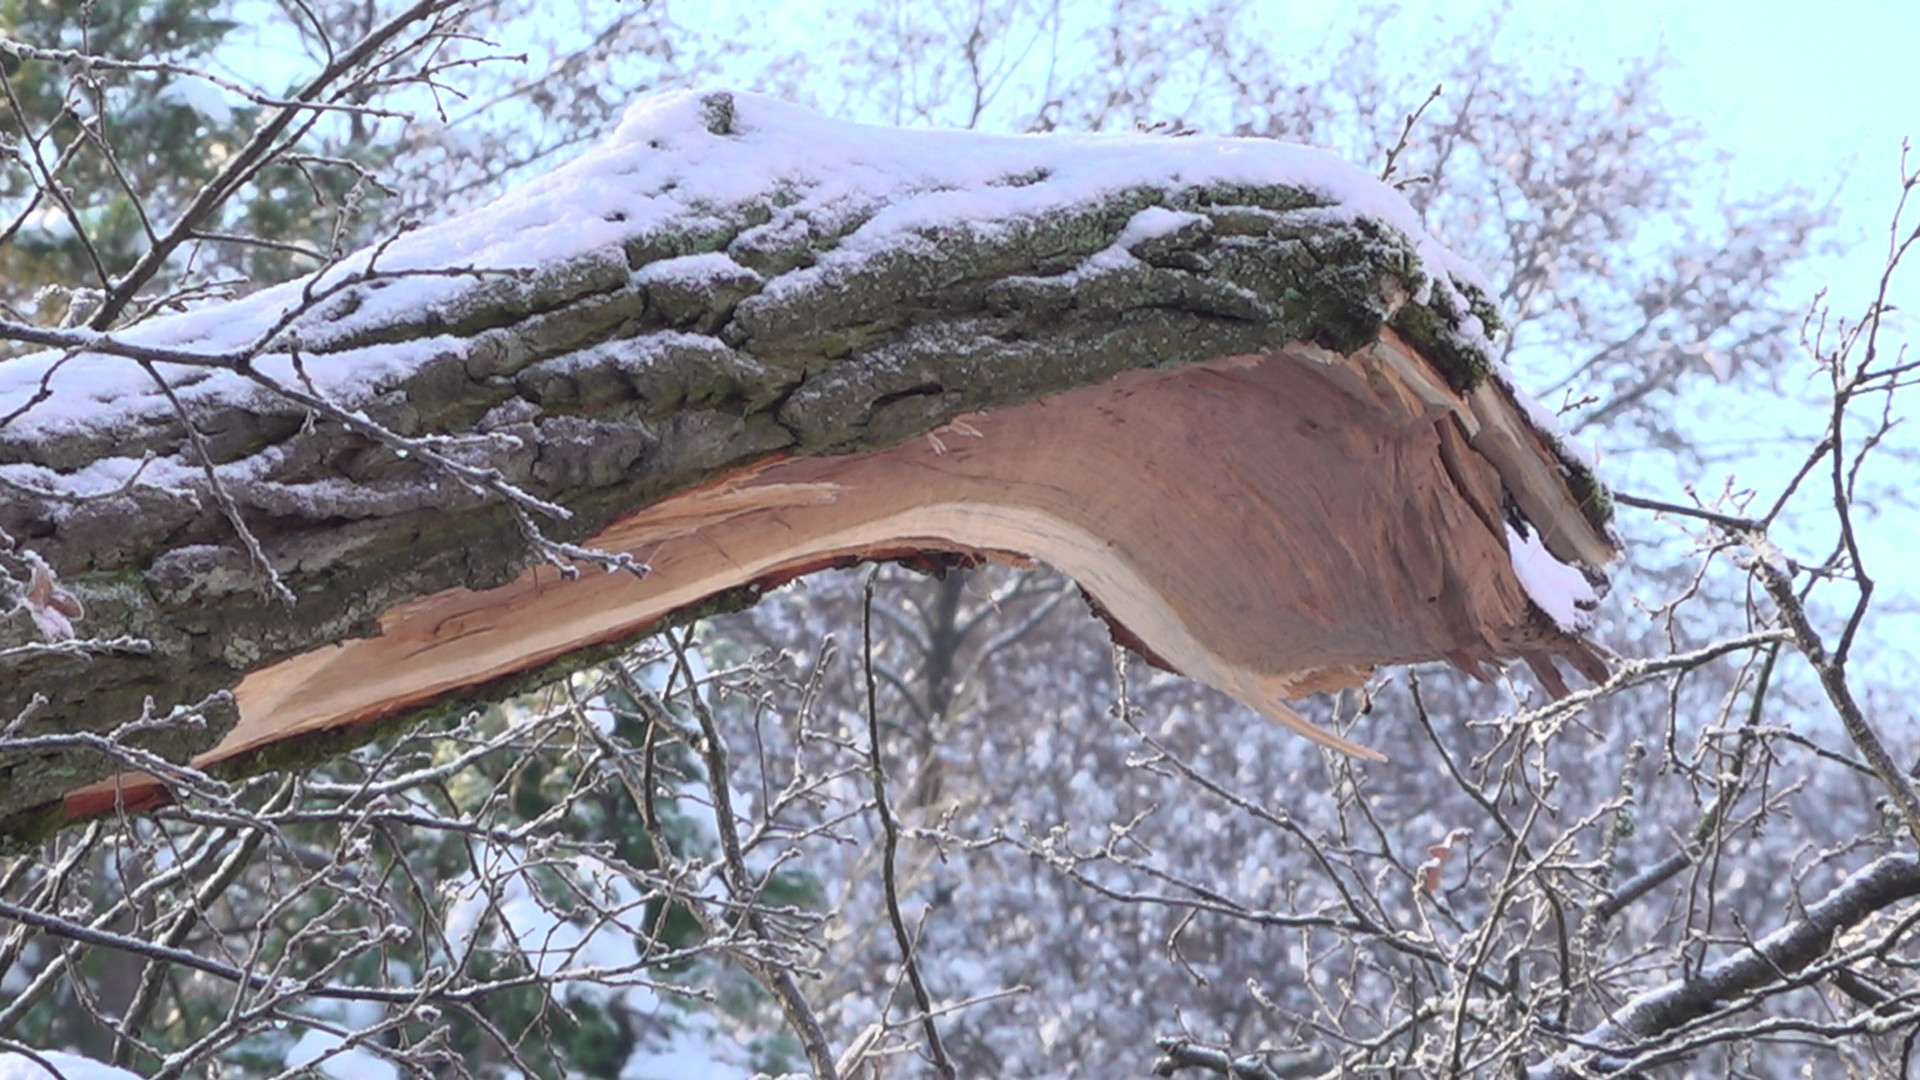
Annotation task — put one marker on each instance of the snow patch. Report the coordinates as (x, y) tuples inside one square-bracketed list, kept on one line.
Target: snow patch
[(69, 1066), (1562, 591), (687, 1056), (354, 1063), (691, 269), (1156, 221)]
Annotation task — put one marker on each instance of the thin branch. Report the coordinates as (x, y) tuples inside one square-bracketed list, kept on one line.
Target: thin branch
[(1769, 566), (259, 150), (1406, 133), (890, 849)]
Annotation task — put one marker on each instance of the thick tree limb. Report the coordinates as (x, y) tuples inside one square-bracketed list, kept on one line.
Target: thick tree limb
[(1230, 387), (1637, 1025)]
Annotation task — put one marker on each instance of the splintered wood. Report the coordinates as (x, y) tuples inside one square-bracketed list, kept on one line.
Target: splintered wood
[(1272, 526)]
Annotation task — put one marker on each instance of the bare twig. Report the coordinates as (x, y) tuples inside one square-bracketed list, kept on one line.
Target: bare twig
[(890, 842)]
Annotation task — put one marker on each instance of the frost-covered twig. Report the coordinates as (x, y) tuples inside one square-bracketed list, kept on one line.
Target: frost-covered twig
[(778, 978), (890, 843), (263, 146)]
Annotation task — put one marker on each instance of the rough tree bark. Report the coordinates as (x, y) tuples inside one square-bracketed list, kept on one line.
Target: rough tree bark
[(1256, 425)]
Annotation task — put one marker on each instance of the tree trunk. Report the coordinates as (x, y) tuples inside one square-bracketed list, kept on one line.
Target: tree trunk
[(1247, 408)]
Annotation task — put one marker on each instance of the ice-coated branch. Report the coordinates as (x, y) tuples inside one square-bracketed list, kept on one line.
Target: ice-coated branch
[(1637, 1029)]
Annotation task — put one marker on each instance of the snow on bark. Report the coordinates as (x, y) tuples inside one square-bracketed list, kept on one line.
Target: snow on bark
[(1562, 591), (877, 189)]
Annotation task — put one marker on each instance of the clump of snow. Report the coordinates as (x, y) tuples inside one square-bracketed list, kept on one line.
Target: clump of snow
[(68, 1066), (1562, 591), (691, 269), (1156, 221)]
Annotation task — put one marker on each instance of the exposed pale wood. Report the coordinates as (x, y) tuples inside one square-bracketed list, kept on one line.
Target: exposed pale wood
[(1537, 480), (1498, 431), (1272, 525)]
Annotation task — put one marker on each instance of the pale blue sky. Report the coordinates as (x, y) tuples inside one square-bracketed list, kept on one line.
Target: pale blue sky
[(1821, 93), (1818, 93)]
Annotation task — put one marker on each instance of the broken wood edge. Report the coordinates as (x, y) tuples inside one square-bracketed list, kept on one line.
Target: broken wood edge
[(1388, 368), (1529, 461)]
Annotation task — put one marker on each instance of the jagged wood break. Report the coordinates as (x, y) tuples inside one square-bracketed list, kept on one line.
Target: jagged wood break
[(1246, 420)]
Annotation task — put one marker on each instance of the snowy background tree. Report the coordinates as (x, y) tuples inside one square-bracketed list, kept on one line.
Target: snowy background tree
[(892, 824)]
